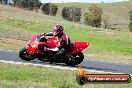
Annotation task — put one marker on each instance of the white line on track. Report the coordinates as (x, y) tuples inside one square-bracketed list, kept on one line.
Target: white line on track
[(58, 67)]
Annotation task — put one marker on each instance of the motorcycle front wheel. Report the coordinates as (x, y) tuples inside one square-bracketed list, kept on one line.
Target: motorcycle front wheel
[(23, 54), (74, 59)]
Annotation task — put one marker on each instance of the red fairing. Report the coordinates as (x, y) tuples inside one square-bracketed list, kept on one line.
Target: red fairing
[(33, 46), (52, 42), (79, 46)]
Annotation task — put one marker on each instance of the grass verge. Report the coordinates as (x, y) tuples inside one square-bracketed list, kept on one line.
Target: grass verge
[(20, 76)]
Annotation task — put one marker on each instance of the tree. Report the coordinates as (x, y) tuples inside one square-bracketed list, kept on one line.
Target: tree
[(50, 9), (105, 21), (71, 13), (93, 16), (45, 8), (27, 4), (53, 9), (65, 13), (88, 18), (130, 23)]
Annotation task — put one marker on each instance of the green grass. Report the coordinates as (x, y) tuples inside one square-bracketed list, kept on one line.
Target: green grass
[(20, 76), (23, 84), (51, 77)]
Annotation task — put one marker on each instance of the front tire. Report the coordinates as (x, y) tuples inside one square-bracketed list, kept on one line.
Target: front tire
[(23, 54), (81, 80), (74, 59)]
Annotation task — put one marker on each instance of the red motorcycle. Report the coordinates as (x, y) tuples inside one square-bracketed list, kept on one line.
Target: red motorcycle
[(37, 49)]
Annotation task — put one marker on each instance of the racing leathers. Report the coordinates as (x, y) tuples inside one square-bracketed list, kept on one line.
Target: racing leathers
[(64, 46)]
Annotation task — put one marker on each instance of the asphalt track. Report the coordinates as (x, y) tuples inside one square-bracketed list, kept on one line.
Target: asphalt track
[(87, 64)]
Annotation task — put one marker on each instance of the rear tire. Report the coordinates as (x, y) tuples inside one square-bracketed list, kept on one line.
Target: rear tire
[(74, 59), (23, 54)]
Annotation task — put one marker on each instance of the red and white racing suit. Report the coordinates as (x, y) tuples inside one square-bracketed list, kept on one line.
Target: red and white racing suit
[(65, 43)]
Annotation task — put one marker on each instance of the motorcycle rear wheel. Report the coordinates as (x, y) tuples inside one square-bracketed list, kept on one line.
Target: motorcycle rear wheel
[(74, 59), (23, 54)]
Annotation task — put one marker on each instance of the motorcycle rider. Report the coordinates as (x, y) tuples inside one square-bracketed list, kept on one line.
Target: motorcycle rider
[(65, 44)]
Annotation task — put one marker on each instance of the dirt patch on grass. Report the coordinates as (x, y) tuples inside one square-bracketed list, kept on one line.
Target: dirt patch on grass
[(11, 41)]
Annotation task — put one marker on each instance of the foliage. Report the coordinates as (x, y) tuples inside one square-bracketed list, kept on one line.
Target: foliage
[(71, 13), (93, 17), (45, 8), (65, 13), (54, 9), (50, 9), (88, 18), (130, 24), (28, 4)]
